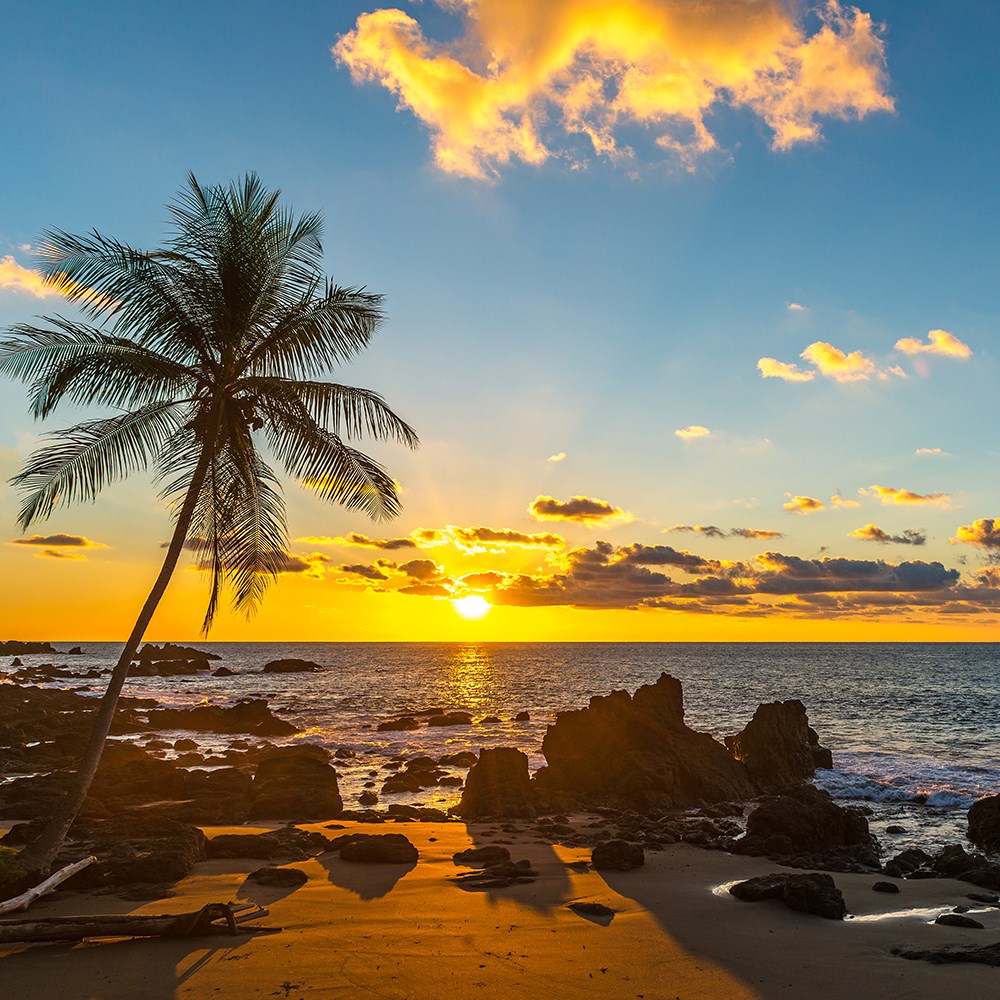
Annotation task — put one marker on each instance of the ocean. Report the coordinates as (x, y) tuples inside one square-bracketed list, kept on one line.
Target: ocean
[(914, 727)]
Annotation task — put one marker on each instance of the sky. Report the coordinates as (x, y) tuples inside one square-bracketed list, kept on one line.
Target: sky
[(693, 306)]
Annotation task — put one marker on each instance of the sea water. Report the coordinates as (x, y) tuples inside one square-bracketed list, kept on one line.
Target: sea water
[(913, 727)]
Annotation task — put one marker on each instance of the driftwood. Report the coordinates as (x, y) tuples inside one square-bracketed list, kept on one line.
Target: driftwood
[(215, 918), (25, 900)]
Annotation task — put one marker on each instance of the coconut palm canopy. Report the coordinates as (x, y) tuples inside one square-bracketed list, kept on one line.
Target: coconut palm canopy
[(212, 350)]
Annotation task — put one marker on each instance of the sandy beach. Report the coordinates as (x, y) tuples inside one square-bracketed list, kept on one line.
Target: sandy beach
[(402, 932)]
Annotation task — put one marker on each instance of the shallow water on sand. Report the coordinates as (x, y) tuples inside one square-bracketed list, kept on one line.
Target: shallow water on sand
[(913, 727)]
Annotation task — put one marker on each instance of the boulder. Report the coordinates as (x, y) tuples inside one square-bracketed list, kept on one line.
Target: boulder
[(292, 666), (522, 716), (464, 758), (398, 725), (224, 672), (498, 876), (219, 797), (959, 920), (497, 785), (636, 752), (450, 719), (287, 842), (295, 783), (170, 651), (75, 651), (482, 857), (618, 856), (889, 887), (284, 878), (778, 746), (379, 848), (813, 893), (984, 823)]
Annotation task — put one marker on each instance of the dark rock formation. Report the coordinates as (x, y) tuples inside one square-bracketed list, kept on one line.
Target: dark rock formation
[(617, 856), (291, 666), (216, 797), (250, 716), (287, 842), (498, 876), (592, 910), (368, 798), (813, 893), (636, 752), (806, 824), (75, 651), (984, 823), (482, 857), (170, 651), (296, 783), (522, 717), (14, 647), (400, 725), (987, 955), (497, 785), (952, 861), (168, 668), (379, 848), (450, 719), (285, 878), (959, 920), (464, 758), (885, 887), (778, 746), (224, 672)]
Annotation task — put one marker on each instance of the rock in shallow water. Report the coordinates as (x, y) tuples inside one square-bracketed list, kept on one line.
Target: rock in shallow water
[(959, 920), (813, 893)]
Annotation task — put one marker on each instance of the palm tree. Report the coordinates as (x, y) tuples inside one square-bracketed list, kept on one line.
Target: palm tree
[(206, 350)]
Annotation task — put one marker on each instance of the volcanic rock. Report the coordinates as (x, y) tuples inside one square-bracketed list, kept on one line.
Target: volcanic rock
[(813, 893), (379, 848), (482, 857), (168, 668), (14, 647), (959, 920), (885, 887), (250, 716), (498, 876), (984, 823), (450, 719), (398, 725), (170, 651), (285, 878), (292, 666), (295, 783), (618, 856), (497, 785)]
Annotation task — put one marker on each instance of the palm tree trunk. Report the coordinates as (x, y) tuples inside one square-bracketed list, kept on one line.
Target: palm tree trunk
[(39, 855)]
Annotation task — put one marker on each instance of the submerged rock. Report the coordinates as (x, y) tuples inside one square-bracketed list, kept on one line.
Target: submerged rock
[(497, 785), (292, 665), (959, 920)]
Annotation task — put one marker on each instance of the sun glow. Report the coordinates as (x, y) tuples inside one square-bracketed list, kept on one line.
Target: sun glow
[(472, 607)]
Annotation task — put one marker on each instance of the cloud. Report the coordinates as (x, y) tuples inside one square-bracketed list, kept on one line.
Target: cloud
[(583, 510), (421, 569), (663, 555), (803, 505), (692, 432), (484, 539), (15, 277), (934, 451), (528, 81), (60, 541), (984, 532), (841, 501), (59, 554), (834, 363), (873, 533), (357, 540), (365, 572), (797, 307), (711, 531), (559, 456), (757, 533), (772, 368), (938, 342), (889, 495)]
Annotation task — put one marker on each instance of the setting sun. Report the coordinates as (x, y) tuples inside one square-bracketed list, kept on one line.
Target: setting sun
[(472, 607)]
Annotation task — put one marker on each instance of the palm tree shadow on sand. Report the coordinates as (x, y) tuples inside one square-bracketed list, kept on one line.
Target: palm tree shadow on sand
[(367, 880)]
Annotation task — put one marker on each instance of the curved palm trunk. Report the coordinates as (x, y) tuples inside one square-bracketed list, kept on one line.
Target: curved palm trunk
[(38, 856)]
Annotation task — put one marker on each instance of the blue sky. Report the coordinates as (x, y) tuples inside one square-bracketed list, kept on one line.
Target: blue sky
[(577, 305)]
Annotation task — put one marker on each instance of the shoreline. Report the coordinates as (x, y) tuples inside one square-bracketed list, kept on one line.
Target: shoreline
[(398, 931)]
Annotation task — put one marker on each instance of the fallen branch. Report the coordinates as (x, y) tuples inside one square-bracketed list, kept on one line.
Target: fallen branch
[(215, 918), (25, 900)]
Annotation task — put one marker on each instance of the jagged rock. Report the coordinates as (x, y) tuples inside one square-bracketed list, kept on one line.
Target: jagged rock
[(806, 821), (636, 752), (618, 856), (400, 725), (14, 647), (959, 920), (464, 758), (295, 783), (482, 857), (497, 785), (75, 651), (170, 651), (907, 862), (16, 662), (984, 823), (250, 716), (167, 668), (285, 878), (592, 910), (292, 665), (778, 746), (379, 848), (813, 893), (498, 876), (450, 719)]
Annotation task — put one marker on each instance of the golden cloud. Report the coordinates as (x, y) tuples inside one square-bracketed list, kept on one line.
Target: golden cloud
[(557, 457), (15, 277), (357, 540), (484, 539), (841, 501), (938, 342), (803, 505), (523, 79), (873, 533), (835, 364), (797, 307), (60, 554), (933, 451), (772, 368), (60, 541), (692, 432), (984, 532), (889, 495), (583, 510)]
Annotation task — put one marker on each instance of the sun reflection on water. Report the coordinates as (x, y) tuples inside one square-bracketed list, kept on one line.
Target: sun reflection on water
[(472, 677)]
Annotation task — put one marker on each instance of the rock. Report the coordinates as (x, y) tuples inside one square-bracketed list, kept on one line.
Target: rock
[(983, 897), (497, 876), (185, 744), (14, 647), (253, 845), (984, 823), (295, 782), (636, 752), (806, 821), (16, 662), (497, 785), (522, 717), (959, 920), (379, 848), (813, 893), (464, 758), (907, 862), (488, 720), (422, 814), (617, 855), (482, 857), (292, 666), (224, 672), (368, 798), (170, 651), (895, 828), (398, 725), (885, 887), (218, 797), (777, 745), (289, 878), (168, 668), (450, 719), (988, 955), (592, 910), (250, 716), (75, 651)]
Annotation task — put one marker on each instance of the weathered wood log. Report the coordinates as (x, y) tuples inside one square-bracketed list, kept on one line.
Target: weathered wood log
[(25, 900), (214, 918)]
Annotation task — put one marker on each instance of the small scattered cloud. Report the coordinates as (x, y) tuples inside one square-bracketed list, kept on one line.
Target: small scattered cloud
[(873, 533), (692, 432), (60, 541), (834, 363), (366, 572), (838, 500), (712, 531), (60, 554), (582, 510), (15, 277), (708, 530), (761, 534), (983, 532), (797, 307), (772, 368), (889, 495), (357, 540), (421, 569), (938, 342), (483, 539), (938, 452), (803, 505), (559, 456)]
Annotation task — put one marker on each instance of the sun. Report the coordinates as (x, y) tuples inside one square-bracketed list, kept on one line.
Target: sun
[(472, 607)]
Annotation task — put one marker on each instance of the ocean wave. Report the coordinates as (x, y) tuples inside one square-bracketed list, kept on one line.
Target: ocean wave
[(865, 788)]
